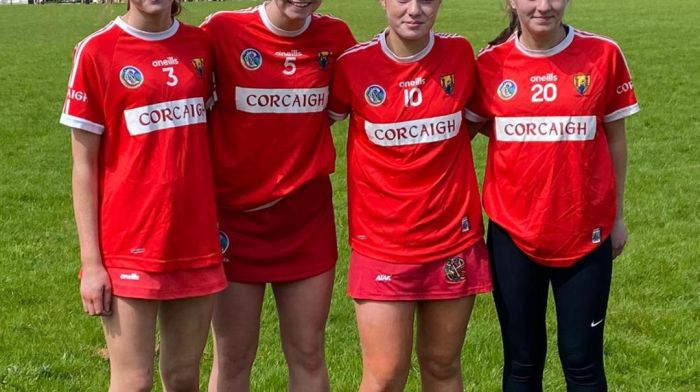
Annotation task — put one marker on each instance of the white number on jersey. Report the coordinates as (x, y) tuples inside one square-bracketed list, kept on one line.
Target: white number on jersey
[(172, 79), (289, 67), (412, 97), (544, 93)]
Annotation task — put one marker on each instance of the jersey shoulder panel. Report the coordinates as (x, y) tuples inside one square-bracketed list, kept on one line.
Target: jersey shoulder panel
[(455, 42), (494, 51), (596, 39), (226, 17), (359, 50), (102, 40)]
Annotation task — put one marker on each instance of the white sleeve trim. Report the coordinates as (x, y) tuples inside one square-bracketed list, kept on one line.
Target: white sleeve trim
[(622, 113), (337, 116), (473, 117), (81, 123)]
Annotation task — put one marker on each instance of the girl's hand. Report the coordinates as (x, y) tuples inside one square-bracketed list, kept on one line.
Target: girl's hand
[(618, 236), (96, 291)]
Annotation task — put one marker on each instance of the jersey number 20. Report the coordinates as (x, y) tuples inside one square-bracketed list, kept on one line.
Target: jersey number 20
[(544, 92)]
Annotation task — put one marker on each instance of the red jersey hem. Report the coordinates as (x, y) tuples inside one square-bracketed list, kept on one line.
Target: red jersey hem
[(417, 258), (156, 265), (562, 262)]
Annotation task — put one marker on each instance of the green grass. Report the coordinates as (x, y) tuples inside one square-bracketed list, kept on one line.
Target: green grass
[(47, 344)]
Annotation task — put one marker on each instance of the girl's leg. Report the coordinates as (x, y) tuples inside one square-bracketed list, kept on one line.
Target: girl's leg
[(581, 295), (236, 325), (303, 308), (184, 327), (130, 335), (520, 289), (442, 327), (386, 338)]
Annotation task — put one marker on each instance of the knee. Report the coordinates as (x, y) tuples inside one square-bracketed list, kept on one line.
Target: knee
[(235, 361), (132, 382), (180, 378), (582, 370), (384, 377), (440, 366), (307, 355), (525, 372)]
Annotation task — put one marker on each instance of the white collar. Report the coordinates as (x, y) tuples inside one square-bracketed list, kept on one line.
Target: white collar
[(147, 35), (547, 52), (276, 30), (408, 59)]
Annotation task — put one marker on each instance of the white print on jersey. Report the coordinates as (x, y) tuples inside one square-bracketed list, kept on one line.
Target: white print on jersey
[(624, 88), (545, 129), (383, 278), (427, 130), (170, 61), (280, 100), (131, 276), (77, 95), (550, 77), (165, 115)]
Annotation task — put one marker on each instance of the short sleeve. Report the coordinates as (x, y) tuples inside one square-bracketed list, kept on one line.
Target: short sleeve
[(620, 100), (339, 103), (477, 108), (83, 106), (346, 40)]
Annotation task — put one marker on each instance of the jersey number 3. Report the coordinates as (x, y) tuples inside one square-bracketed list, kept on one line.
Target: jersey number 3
[(172, 79)]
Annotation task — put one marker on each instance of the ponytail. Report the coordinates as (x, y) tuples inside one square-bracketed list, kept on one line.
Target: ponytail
[(176, 8), (513, 26)]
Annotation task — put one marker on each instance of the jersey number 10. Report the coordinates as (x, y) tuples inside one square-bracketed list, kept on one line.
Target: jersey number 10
[(412, 97)]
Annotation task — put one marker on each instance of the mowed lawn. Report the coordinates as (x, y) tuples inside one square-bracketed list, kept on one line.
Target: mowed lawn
[(653, 323)]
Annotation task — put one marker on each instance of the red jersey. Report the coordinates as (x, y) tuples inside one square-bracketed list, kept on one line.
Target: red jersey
[(549, 178), (145, 94), (270, 130), (412, 190)]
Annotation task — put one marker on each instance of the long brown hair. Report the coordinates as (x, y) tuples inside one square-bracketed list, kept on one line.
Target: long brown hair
[(513, 26), (174, 11)]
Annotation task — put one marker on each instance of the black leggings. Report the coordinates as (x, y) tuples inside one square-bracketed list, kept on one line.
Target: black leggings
[(581, 296)]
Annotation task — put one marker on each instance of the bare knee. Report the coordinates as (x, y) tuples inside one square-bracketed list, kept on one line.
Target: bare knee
[(180, 378), (232, 362), (137, 381), (438, 365), (385, 377), (307, 355)]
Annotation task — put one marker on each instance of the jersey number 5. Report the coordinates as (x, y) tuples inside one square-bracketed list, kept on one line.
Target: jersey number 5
[(172, 79), (544, 92), (290, 68)]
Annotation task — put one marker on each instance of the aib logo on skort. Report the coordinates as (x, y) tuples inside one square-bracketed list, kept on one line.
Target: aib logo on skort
[(223, 241), (375, 95), (131, 76), (507, 89), (251, 59)]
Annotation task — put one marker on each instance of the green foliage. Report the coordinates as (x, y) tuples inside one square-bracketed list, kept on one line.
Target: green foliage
[(47, 344)]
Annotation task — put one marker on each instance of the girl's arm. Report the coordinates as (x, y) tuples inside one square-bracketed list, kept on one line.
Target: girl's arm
[(617, 145), (95, 286)]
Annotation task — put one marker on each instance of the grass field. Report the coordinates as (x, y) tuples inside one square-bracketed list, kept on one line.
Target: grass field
[(653, 324)]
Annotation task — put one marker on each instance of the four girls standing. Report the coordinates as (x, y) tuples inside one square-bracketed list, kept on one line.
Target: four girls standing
[(555, 99)]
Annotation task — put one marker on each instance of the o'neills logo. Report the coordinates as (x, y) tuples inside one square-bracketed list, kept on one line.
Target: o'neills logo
[(427, 130), (545, 129), (281, 100), (165, 115)]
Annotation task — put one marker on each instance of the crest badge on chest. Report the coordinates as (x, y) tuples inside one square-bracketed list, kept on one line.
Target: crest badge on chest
[(582, 82)]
